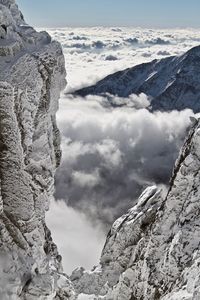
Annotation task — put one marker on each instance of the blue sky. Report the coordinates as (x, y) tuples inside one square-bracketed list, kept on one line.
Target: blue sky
[(144, 13)]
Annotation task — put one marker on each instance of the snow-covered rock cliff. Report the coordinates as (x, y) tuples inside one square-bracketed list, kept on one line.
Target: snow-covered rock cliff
[(32, 74), (171, 83), (153, 251)]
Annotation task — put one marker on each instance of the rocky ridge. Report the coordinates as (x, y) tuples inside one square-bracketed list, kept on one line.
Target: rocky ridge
[(32, 74), (152, 252), (170, 83)]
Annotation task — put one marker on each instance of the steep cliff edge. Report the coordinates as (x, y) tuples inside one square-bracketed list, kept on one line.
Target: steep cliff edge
[(32, 74), (153, 252)]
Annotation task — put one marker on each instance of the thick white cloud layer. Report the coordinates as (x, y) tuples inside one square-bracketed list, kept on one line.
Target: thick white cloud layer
[(111, 154)]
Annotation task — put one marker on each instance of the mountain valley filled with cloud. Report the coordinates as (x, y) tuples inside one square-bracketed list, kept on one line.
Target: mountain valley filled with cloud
[(110, 154)]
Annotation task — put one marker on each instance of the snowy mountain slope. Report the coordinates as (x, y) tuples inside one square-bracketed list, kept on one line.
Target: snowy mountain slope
[(171, 83), (32, 74), (152, 252)]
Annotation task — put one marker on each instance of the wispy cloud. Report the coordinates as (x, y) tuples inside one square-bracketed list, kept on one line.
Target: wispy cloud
[(79, 243)]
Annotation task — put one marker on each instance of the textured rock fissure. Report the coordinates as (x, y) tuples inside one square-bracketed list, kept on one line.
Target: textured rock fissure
[(17, 109), (184, 153)]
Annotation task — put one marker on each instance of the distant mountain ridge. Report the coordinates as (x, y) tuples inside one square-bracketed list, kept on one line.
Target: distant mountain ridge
[(171, 83)]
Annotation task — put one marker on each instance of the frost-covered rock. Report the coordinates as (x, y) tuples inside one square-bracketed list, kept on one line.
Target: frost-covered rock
[(123, 240), (32, 74), (153, 251)]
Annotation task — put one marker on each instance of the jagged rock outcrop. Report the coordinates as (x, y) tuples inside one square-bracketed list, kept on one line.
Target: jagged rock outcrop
[(32, 74), (153, 252), (171, 83)]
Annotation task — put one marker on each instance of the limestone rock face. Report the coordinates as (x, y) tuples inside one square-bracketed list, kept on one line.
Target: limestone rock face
[(32, 74), (153, 251)]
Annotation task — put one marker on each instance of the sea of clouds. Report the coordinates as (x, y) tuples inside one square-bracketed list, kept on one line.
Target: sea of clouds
[(92, 53), (110, 154)]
